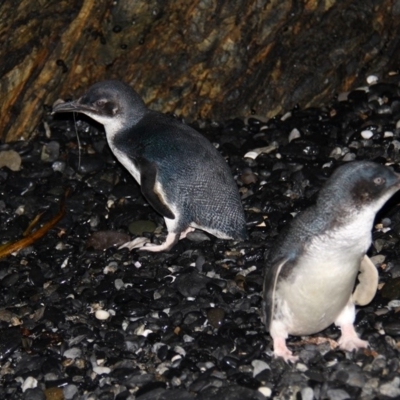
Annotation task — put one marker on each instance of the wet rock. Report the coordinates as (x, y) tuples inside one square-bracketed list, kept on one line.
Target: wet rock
[(140, 227), (50, 151)]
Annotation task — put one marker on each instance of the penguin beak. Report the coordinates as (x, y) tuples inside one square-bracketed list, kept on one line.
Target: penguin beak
[(71, 106)]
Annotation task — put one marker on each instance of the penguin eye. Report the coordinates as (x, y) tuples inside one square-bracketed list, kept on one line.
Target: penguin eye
[(101, 102), (379, 180)]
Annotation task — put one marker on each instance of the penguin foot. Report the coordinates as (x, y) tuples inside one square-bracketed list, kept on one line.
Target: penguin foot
[(349, 340), (281, 350), (136, 243), (170, 241)]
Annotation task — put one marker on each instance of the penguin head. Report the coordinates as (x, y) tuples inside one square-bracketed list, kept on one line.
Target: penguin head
[(360, 184), (111, 103)]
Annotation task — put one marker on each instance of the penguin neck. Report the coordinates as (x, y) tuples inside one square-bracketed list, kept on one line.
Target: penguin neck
[(122, 124)]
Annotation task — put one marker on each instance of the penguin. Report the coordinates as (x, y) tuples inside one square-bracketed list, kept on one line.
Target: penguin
[(181, 174), (312, 269)]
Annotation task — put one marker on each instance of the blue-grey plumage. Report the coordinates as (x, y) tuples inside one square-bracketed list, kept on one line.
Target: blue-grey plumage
[(312, 270), (182, 175)]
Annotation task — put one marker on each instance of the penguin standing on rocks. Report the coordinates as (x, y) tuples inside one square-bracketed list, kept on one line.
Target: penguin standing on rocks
[(182, 175), (311, 272)]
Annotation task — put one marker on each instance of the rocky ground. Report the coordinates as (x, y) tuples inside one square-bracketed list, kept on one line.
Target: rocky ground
[(80, 319)]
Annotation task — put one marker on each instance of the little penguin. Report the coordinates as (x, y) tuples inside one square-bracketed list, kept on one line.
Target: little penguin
[(182, 175), (312, 269)]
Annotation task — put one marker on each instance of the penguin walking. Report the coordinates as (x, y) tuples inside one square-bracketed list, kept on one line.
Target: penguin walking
[(182, 176), (311, 272)]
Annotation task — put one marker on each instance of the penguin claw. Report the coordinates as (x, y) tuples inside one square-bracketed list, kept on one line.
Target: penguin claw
[(136, 243), (350, 344), (280, 350), (349, 340)]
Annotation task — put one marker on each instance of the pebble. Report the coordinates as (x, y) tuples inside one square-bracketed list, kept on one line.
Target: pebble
[(50, 152), (29, 383), (259, 366), (367, 134), (141, 226), (102, 370), (338, 394), (307, 393), (371, 79), (73, 353), (265, 391), (10, 159), (216, 317), (102, 315), (70, 391), (253, 154), (391, 389)]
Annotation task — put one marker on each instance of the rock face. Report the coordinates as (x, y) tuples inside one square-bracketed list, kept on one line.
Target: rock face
[(204, 58)]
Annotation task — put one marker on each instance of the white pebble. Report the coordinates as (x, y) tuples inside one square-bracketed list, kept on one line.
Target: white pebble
[(64, 263), (388, 134), (101, 370), (307, 393), (176, 358), (265, 390), (29, 383), (391, 389), (102, 315), (371, 79), (253, 154), (294, 134), (20, 210), (245, 272), (286, 116), (73, 352), (367, 134), (394, 304), (301, 367), (142, 331)]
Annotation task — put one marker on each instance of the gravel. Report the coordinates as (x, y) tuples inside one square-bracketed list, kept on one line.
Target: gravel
[(81, 319)]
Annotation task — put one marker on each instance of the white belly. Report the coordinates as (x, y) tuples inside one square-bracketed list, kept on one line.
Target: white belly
[(321, 284)]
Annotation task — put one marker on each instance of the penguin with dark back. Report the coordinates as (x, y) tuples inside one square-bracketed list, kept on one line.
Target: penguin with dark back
[(312, 270), (182, 176)]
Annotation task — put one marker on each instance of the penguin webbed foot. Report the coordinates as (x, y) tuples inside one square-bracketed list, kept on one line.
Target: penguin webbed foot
[(349, 340), (281, 350), (170, 241)]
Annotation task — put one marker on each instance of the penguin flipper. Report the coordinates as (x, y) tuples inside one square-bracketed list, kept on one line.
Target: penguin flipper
[(270, 284), (276, 324), (150, 188), (368, 282)]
